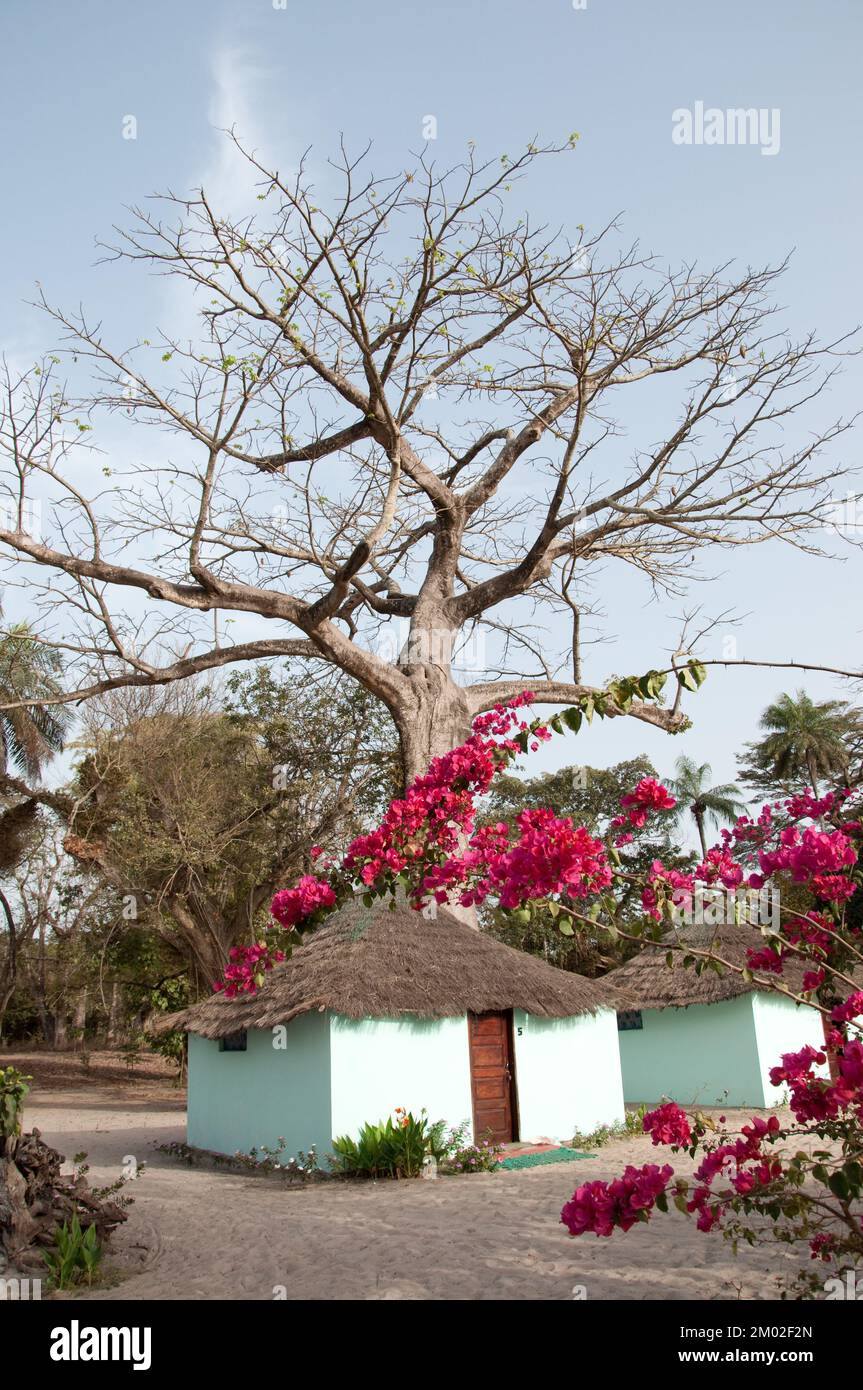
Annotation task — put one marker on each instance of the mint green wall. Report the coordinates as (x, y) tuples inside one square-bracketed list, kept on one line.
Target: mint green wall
[(336, 1074), (783, 1026), (379, 1063), (706, 1054), (238, 1100), (715, 1054), (567, 1074)]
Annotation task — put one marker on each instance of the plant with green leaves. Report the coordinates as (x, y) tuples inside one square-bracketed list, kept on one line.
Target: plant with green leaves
[(631, 1124), (398, 1147), (393, 1148), (173, 1047), (270, 1158), (462, 1156), (200, 802), (13, 1089), (76, 1256), (589, 796)]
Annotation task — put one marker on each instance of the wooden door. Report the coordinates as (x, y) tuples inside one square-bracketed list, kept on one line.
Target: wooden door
[(492, 1076)]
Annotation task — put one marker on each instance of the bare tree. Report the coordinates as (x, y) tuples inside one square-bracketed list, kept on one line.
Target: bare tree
[(406, 410)]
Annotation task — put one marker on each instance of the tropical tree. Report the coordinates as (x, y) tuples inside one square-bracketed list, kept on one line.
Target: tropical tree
[(31, 733), (805, 742), (32, 729), (707, 805)]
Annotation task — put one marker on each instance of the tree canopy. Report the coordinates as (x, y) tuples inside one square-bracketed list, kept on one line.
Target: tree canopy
[(396, 429), (197, 808)]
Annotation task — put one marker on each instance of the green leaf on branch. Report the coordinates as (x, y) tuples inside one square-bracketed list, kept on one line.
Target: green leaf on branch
[(686, 679), (839, 1185), (692, 675)]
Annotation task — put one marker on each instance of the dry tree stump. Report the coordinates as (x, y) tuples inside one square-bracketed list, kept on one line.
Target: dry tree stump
[(36, 1197)]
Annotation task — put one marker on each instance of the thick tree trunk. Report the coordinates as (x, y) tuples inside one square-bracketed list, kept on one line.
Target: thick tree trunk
[(207, 940), (437, 720), (54, 1027)]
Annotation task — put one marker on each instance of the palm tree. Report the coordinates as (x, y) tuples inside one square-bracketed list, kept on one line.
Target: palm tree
[(806, 740), (29, 734), (707, 805)]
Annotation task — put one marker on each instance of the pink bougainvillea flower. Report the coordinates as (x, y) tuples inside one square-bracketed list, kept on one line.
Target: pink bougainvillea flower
[(668, 1125)]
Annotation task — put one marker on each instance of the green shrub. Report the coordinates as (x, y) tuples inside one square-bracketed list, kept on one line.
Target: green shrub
[(76, 1256), (394, 1148), (461, 1155), (632, 1123), (271, 1159), (172, 1046), (400, 1146), (13, 1089)]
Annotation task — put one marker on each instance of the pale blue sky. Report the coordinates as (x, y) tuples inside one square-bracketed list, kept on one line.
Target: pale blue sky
[(498, 73)]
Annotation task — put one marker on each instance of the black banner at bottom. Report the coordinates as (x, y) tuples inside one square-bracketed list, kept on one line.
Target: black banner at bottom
[(159, 1338)]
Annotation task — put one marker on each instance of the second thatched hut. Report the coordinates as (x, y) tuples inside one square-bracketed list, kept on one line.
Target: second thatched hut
[(707, 1039)]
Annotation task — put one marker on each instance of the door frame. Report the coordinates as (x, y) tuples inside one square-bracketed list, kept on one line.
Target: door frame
[(508, 1015)]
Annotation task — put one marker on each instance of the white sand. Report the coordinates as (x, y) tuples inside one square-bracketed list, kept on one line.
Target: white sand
[(199, 1234)]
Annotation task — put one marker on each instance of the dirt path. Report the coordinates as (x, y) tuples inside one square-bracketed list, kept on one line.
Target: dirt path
[(201, 1234)]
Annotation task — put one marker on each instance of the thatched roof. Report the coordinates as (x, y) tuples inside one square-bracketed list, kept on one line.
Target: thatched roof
[(652, 984), (377, 963)]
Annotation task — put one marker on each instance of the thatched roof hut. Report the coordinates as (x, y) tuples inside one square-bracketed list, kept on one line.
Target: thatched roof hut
[(708, 1038), (650, 983), (381, 963), (380, 1008)]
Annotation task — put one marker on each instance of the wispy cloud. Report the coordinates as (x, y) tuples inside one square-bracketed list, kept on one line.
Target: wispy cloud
[(238, 103), (241, 89)]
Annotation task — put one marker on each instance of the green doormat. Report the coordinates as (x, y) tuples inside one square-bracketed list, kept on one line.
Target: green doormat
[(549, 1156)]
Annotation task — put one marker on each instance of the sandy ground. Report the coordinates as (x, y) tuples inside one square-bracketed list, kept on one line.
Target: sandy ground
[(195, 1233)]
